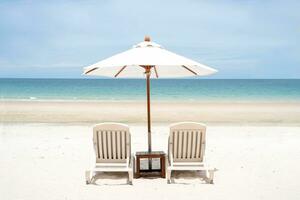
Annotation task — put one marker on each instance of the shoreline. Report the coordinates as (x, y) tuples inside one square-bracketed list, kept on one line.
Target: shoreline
[(153, 125), (283, 101), (162, 112)]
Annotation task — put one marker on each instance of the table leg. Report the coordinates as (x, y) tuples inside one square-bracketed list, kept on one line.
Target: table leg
[(137, 175), (163, 166)]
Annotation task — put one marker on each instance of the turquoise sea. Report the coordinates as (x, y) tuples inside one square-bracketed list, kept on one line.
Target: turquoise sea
[(161, 89)]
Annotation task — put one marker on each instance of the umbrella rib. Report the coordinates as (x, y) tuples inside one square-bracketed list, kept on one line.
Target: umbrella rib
[(155, 72), (120, 70), (91, 70), (189, 70)]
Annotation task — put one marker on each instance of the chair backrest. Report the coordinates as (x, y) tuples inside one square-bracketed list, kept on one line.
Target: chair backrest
[(112, 142), (187, 142)]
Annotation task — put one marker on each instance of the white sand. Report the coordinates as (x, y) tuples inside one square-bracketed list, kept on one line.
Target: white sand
[(47, 161), (135, 112)]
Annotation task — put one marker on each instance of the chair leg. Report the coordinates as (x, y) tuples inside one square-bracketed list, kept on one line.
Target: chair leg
[(131, 172), (133, 164), (210, 176), (130, 177), (88, 177), (169, 172)]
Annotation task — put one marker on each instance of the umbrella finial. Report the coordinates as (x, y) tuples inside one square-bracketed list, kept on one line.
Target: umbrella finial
[(147, 38)]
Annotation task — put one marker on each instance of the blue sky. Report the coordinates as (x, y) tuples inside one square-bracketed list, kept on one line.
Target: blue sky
[(242, 39)]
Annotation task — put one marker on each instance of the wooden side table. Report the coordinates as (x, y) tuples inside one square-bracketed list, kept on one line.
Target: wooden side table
[(154, 154)]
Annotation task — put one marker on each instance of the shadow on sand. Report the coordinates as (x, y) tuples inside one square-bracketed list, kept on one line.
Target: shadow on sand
[(110, 178)]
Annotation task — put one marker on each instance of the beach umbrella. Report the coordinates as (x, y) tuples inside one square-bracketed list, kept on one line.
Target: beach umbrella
[(148, 60)]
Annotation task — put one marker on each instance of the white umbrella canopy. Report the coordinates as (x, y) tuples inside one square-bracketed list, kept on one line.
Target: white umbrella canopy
[(131, 64), (150, 60)]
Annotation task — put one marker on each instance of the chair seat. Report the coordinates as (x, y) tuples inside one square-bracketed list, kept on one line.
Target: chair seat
[(188, 163), (188, 168), (124, 164), (110, 168)]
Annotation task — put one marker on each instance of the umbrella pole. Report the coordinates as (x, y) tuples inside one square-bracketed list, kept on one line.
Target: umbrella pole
[(147, 72)]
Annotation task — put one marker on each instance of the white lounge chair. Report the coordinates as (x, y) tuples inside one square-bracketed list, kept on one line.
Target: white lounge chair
[(186, 149), (112, 145)]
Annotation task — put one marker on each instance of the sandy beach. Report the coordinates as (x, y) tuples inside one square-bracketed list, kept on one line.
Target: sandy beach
[(47, 161), (46, 147), (162, 112)]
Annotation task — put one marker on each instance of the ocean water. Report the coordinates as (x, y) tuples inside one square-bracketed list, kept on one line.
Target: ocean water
[(161, 89)]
